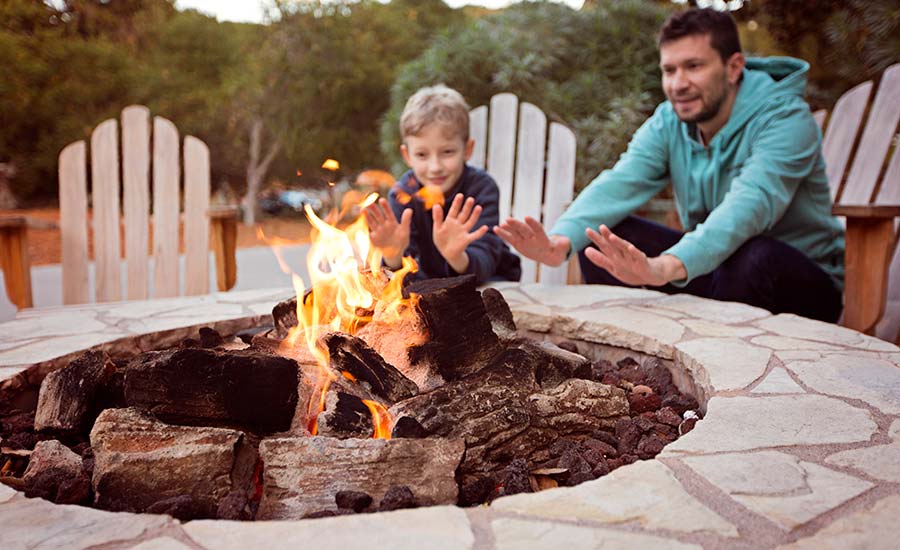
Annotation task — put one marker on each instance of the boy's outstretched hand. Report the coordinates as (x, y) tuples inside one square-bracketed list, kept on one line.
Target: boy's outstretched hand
[(454, 233), (530, 239), (388, 236)]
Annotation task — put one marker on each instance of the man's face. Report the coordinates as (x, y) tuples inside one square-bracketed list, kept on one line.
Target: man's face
[(694, 77), (437, 156)]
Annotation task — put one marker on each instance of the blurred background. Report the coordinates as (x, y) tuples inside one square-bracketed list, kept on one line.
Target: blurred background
[(275, 87)]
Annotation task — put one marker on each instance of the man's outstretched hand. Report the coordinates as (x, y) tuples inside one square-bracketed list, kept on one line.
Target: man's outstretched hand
[(530, 239), (627, 263)]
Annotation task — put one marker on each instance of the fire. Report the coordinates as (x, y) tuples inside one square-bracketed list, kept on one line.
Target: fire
[(347, 282), (380, 418), (429, 194)]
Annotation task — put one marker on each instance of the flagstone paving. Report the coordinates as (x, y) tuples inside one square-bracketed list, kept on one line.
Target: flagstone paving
[(799, 448)]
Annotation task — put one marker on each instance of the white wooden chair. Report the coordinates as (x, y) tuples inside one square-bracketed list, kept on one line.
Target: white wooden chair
[(137, 158), (869, 201), (536, 175)]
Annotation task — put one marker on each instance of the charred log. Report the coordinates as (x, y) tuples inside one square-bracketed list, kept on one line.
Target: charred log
[(68, 398), (250, 390), (351, 355), (345, 416), (502, 322), (461, 339)]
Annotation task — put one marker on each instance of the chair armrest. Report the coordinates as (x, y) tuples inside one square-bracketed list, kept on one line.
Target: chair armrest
[(223, 240), (15, 261), (866, 210), (223, 212)]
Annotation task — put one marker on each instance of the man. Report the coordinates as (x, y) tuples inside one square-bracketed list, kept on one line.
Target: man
[(743, 154)]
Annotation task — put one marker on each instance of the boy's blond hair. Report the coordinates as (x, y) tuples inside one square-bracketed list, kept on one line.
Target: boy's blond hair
[(435, 104)]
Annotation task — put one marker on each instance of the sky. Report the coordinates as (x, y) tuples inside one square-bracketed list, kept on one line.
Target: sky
[(251, 10)]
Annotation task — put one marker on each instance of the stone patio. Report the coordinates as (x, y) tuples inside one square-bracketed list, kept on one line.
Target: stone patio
[(800, 446)]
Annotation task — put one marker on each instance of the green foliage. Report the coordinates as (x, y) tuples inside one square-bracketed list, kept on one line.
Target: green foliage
[(845, 41), (330, 67), (595, 70)]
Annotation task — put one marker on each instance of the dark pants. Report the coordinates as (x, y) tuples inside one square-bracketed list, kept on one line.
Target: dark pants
[(763, 272)]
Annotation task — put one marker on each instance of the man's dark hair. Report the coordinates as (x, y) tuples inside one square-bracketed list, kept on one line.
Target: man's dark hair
[(718, 25)]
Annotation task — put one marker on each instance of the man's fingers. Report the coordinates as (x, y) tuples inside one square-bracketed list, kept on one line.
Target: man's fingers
[(600, 260), (534, 226)]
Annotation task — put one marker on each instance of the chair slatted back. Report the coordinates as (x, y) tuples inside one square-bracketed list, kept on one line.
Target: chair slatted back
[(108, 220), (862, 185), (532, 163)]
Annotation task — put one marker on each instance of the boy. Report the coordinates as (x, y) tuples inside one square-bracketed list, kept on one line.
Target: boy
[(434, 127)]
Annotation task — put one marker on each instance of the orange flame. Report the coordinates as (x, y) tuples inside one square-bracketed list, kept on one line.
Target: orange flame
[(342, 298), (331, 164), (428, 194), (381, 419)]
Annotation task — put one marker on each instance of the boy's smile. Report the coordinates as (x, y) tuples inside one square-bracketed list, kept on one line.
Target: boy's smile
[(437, 156)]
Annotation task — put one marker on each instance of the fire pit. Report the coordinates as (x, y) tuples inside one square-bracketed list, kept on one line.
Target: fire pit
[(799, 444)]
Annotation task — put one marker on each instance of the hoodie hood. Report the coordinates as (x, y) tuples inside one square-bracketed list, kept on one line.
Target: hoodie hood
[(764, 80)]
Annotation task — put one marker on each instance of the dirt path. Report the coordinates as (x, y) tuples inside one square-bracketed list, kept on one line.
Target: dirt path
[(44, 243)]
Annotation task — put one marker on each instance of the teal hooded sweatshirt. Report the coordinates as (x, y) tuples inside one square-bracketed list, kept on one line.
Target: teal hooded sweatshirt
[(761, 174)]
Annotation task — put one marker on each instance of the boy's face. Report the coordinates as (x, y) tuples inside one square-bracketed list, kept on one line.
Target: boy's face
[(437, 156)]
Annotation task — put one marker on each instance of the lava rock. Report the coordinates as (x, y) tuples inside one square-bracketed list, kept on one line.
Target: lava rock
[(210, 338), (668, 416), (55, 473), (605, 449), (516, 478), (396, 498), (680, 403), (353, 500), (476, 492), (642, 403), (628, 435), (687, 425), (649, 446), (561, 445)]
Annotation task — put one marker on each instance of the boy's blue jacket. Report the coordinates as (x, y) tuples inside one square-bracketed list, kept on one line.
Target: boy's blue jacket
[(489, 257), (761, 174)]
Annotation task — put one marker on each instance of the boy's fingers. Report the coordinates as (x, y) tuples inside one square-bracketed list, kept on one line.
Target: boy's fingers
[(467, 208), (478, 233), (472, 218), (406, 218), (455, 206), (437, 212)]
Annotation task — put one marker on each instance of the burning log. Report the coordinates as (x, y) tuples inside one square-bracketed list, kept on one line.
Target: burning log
[(448, 337), (351, 355), (68, 398), (246, 389), (304, 475), (142, 464), (345, 416)]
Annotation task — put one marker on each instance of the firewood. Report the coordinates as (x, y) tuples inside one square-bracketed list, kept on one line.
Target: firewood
[(502, 322), (351, 355), (68, 398), (141, 464), (304, 474), (245, 389)]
